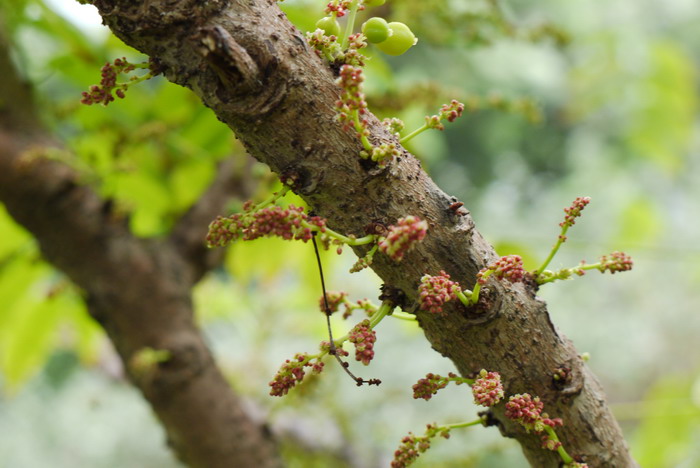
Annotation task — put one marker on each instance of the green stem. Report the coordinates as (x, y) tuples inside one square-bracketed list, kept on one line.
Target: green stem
[(553, 252), (404, 316), (415, 132), (360, 129), (275, 196), (377, 317), (464, 424), (465, 297), (565, 273), (351, 22), (368, 239), (565, 457)]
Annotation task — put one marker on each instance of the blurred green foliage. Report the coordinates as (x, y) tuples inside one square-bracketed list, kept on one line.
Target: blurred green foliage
[(619, 122)]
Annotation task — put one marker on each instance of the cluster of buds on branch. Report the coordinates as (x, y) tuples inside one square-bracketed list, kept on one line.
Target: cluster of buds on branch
[(108, 87)]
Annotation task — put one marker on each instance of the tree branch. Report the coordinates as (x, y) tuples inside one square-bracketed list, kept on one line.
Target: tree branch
[(257, 73), (187, 236), (139, 290)]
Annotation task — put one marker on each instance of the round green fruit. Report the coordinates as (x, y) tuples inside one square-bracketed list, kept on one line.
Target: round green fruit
[(376, 29), (329, 25), (400, 40)]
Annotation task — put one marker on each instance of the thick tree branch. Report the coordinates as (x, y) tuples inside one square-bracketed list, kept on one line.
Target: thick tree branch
[(139, 290), (187, 236), (256, 72)]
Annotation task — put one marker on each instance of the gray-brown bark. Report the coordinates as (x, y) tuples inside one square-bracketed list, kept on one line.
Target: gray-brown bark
[(139, 290), (256, 72)]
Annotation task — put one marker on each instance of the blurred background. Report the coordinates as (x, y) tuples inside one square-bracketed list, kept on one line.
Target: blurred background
[(565, 99)]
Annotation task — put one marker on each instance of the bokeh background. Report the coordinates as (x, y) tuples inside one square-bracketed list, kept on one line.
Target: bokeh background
[(578, 98)]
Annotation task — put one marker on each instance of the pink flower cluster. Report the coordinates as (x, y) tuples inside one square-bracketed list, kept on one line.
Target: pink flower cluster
[(291, 373), (448, 111), (452, 110), (402, 237), (429, 386), (352, 100), (363, 337), (509, 268), (334, 300), (103, 93), (617, 261), (435, 291), (487, 389), (340, 7), (269, 221), (412, 446), (528, 412), (574, 211)]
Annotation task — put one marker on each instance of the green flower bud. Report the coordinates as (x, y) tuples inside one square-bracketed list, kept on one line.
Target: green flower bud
[(376, 29), (329, 25), (400, 40)]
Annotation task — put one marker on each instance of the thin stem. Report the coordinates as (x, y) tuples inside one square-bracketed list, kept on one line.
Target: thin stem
[(465, 297), (565, 273), (271, 200), (377, 317), (464, 424), (553, 252), (368, 239), (415, 132), (403, 316), (360, 129), (351, 22), (565, 457)]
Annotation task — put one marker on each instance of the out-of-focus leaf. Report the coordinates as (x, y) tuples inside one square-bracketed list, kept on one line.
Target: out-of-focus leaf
[(640, 222), (12, 236), (670, 423), (26, 347), (662, 128)]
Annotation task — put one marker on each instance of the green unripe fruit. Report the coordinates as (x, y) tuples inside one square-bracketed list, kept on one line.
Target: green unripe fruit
[(374, 3), (400, 40), (329, 25), (376, 29)]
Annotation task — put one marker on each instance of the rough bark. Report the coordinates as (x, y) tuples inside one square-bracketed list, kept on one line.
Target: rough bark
[(138, 290), (257, 73)]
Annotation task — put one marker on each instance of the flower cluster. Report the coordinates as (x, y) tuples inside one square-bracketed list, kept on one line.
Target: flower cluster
[(334, 300), (351, 55), (528, 412), (339, 7), (574, 211), (435, 291), (509, 268), (382, 154), (287, 223), (394, 125), (402, 237), (291, 373), (330, 47), (103, 93), (450, 112), (412, 446), (326, 347), (363, 337), (429, 386), (616, 261), (352, 107), (487, 389)]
